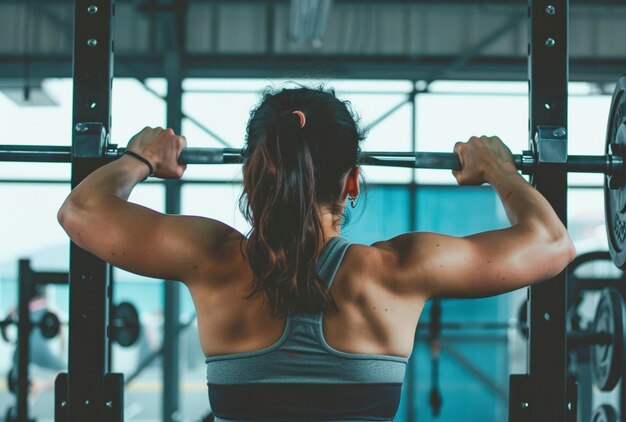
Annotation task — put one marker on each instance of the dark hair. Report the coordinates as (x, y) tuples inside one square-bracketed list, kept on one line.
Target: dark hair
[(289, 172)]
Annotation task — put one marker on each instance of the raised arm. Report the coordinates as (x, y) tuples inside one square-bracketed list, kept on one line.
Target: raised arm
[(98, 217), (536, 246)]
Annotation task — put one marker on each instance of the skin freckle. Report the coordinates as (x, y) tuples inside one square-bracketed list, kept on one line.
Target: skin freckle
[(386, 309)]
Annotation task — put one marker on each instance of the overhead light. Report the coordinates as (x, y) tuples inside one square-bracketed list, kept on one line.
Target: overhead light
[(308, 20), (26, 95)]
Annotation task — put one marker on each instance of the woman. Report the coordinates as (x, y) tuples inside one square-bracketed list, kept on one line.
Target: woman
[(296, 323)]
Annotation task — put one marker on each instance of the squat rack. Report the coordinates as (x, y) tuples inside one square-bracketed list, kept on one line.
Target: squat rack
[(91, 392)]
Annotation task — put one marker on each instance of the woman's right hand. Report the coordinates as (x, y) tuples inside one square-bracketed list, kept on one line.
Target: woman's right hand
[(161, 147), (482, 159)]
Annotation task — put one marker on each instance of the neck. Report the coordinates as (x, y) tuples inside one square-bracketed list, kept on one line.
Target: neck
[(331, 224)]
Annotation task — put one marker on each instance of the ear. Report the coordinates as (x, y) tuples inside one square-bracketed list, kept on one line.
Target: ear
[(353, 186)]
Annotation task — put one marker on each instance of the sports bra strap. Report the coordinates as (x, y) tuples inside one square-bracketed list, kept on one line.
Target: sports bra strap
[(330, 259)]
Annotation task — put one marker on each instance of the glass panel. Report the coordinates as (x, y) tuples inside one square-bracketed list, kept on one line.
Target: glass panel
[(439, 128), (29, 230), (219, 110), (133, 108), (141, 362), (39, 124), (586, 219)]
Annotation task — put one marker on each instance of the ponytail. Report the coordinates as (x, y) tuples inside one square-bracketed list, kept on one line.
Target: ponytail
[(289, 173)]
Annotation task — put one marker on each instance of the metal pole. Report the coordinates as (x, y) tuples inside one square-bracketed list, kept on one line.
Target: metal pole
[(24, 326), (548, 73), (526, 162), (89, 300), (173, 21)]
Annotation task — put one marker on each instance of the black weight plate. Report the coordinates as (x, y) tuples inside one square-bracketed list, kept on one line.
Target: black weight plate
[(605, 413), (615, 199), (125, 324), (607, 360), (522, 319), (12, 380), (8, 329), (49, 325)]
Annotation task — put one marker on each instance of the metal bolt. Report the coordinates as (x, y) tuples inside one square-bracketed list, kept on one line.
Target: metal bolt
[(109, 404), (560, 132), (550, 10), (91, 105), (93, 9), (87, 402), (63, 403), (546, 316), (92, 42), (525, 405), (550, 42), (569, 406), (548, 106), (81, 128)]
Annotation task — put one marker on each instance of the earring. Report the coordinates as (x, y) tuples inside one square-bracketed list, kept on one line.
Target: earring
[(352, 200)]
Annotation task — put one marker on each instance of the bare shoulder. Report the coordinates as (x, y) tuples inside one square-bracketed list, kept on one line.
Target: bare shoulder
[(381, 263), (215, 246)]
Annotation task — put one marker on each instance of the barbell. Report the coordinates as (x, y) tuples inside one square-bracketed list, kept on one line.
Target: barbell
[(549, 147)]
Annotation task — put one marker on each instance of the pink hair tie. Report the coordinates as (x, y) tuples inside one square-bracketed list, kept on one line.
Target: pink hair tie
[(302, 118)]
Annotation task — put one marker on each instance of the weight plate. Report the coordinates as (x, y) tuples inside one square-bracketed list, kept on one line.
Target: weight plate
[(615, 186), (8, 329), (12, 380), (607, 360), (605, 413), (125, 324), (49, 325), (522, 319)]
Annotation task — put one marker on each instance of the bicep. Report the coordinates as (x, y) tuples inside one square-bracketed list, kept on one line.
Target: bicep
[(149, 243), (484, 264)]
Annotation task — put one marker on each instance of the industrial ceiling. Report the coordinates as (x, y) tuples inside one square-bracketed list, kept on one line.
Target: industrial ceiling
[(417, 40)]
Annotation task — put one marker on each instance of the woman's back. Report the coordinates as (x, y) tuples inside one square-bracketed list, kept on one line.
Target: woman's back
[(372, 318), (304, 374)]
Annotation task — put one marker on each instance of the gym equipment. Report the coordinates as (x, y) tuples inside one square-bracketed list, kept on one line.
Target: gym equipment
[(615, 185), (125, 325), (606, 338), (611, 163), (605, 413), (607, 358), (49, 325)]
